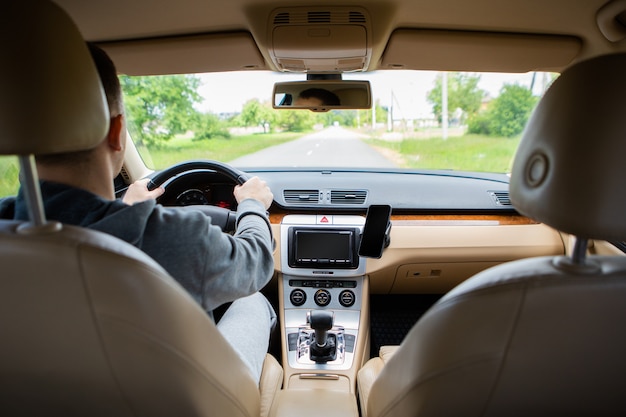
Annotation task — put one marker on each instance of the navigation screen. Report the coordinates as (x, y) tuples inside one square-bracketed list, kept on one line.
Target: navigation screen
[(320, 248)]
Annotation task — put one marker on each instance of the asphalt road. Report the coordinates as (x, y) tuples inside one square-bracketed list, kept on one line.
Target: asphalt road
[(331, 147)]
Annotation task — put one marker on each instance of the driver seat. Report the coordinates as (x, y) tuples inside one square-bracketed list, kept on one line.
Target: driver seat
[(91, 325)]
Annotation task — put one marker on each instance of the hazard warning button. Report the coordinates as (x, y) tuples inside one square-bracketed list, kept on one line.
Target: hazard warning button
[(324, 219)]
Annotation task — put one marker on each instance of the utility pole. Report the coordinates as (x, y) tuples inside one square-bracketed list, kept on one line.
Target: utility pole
[(390, 114), (444, 105), (374, 116)]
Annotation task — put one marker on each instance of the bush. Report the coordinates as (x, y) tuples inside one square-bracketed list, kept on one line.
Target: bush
[(479, 123), (507, 115), (209, 126), (509, 112)]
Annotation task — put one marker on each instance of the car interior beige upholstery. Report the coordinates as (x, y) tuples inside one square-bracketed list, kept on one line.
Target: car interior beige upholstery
[(133, 342), (504, 341)]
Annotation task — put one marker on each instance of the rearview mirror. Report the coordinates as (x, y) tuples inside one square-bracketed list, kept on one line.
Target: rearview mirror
[(323, 95)]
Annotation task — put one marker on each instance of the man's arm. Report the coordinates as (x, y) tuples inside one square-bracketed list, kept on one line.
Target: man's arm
[(213, 266), (138, 192)]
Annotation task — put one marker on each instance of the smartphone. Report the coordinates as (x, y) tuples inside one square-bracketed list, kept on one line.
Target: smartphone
[(375, 235)]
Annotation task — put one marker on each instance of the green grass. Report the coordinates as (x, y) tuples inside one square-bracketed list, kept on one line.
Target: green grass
[(219, 149), (176, 150), (464, 153), (9, 170)]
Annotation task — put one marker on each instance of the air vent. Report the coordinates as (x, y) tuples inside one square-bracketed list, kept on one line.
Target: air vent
[(313, 17), (357, 17), (125, 175), (281, 18), (348, 197), (304, 197), (318, 17), (501, 198)]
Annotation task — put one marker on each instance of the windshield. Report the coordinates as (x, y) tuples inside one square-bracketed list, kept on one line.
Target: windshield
[(229, 117)]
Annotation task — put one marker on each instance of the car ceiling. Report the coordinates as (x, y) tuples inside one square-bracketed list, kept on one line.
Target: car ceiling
[(128, 23)]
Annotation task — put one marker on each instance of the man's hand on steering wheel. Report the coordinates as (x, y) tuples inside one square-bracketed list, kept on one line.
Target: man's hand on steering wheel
[(224, 218), (138, 192), (254, 188)]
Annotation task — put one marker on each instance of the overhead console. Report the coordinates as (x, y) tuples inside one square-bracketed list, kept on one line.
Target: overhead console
[(320, 39)]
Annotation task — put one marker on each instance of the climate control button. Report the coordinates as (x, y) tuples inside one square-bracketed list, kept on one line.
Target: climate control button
[(322, 298), (297, 297), (347, 298)]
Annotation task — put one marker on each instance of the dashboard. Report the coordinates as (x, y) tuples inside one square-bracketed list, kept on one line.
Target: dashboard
[(412, 191), (446, 226)]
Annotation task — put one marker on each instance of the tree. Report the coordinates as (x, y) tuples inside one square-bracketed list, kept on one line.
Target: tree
[(463, 93), (208, 126), (510, 111), (296, 120), (255, 113), (343, 117), (160, 107)]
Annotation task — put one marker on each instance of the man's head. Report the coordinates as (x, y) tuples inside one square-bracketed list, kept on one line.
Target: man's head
[(317, 97), (94, 169)]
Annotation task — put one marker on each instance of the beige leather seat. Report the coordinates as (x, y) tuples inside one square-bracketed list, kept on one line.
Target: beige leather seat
[(90, 325), (544, 336)]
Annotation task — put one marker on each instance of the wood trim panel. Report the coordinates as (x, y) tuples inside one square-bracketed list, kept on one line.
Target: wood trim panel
[(447, 219)]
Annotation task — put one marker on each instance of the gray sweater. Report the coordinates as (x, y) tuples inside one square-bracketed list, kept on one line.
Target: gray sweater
[(213, 266)]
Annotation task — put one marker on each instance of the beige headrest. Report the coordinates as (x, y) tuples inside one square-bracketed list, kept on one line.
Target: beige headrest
[(51, 98), (569, 169)]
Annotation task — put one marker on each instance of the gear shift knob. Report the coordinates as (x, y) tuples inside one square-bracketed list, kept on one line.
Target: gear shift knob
[(321, 321)]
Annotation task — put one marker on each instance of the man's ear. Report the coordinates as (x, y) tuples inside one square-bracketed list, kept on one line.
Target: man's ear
[(115, 136)]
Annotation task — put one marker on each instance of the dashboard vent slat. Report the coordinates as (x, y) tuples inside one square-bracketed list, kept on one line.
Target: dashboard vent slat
[(348, 196), (501, 198), (125, 175), (303, 197)]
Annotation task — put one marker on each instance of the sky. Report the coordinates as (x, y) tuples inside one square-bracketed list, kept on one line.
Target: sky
[(226, 92)]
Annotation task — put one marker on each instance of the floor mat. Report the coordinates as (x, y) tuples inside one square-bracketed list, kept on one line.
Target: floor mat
[(392, 316)]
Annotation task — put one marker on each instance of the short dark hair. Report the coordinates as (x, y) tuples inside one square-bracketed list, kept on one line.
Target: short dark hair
[(328, 97), (108, 77)]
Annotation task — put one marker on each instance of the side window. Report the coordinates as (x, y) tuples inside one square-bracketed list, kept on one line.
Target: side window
[(9, 175)]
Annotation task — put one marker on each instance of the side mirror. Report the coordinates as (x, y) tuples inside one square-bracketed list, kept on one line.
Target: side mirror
[(322, 95)]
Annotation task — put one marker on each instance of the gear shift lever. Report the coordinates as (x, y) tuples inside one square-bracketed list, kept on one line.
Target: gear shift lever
[(323, 346)]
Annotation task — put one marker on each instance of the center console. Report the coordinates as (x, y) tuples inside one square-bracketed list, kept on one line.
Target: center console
[(324, 302)]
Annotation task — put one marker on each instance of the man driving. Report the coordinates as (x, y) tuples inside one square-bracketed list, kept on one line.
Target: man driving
[(214, 267)]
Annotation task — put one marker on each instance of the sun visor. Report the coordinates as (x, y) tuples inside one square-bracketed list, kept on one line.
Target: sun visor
[(478, 51), (187, 54)]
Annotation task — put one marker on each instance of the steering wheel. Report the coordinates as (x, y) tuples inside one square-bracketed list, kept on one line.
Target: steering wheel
[(222, 217)]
